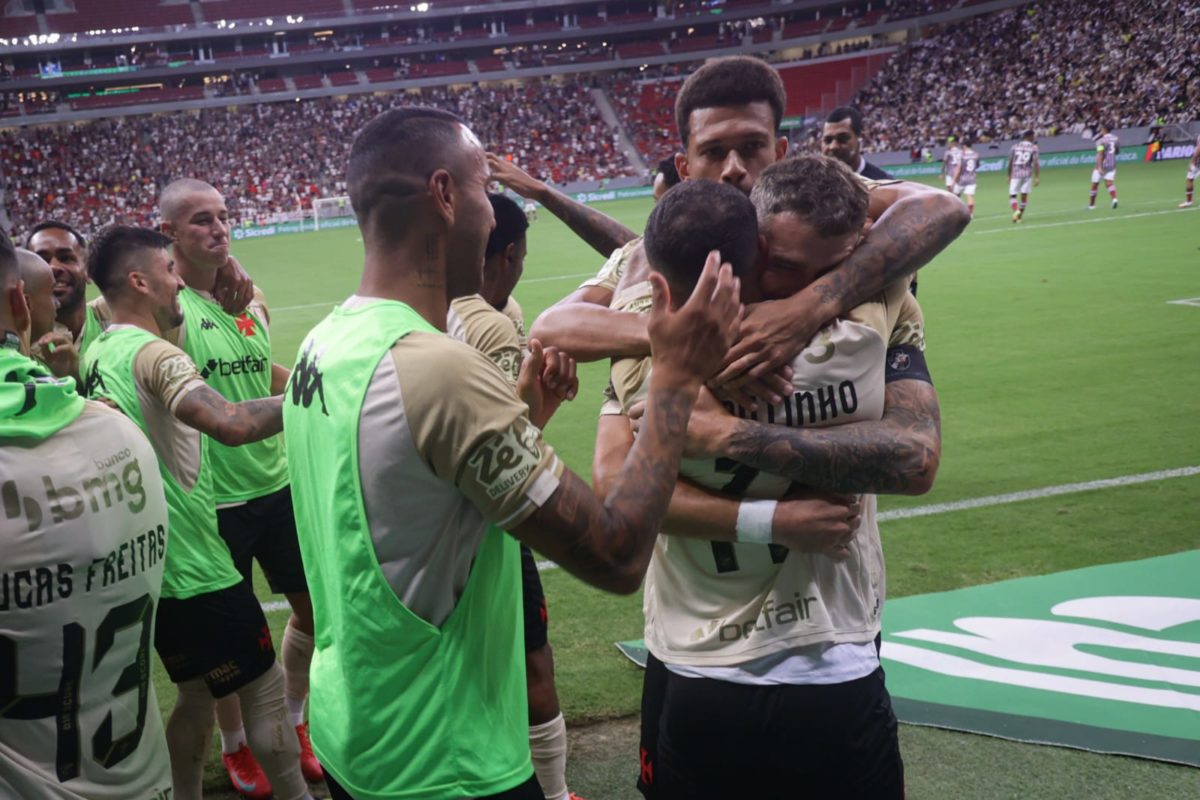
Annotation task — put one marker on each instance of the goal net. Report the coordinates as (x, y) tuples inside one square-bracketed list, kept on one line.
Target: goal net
[(332, 212)]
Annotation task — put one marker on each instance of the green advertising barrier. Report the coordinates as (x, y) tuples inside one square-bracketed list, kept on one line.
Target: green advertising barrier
[(1071, 158), (604, 195), (292, 226), (1105, 659)]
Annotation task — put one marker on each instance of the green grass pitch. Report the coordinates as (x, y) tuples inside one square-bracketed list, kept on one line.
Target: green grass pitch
[(1058, 358)]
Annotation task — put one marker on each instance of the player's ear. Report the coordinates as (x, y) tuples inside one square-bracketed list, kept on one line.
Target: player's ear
[(510, 254), (781, 147), (19, 308), (167, 229), (441, 191), (137, 281), (681, 165)]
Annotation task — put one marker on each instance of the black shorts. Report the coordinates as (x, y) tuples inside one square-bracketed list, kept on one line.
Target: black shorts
[(533, 600), (265, 529), (714, 739), (529, 790), (219, 636)]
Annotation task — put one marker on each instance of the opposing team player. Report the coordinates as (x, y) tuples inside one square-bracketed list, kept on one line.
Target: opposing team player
[(410, 454), (491, 322), (250, 483), (965, 174), (742, 623), (950, 162), (1193, 171), (211, 632), (1024, 167), (83, 541), (1107, 149)]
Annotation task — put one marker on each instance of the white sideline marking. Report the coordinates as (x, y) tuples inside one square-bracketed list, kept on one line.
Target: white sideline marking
[(963, 505), (1187, 301), (332, 303), (1103, 215)]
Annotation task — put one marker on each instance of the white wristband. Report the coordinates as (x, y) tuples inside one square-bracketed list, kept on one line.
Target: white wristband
[(754, 521)]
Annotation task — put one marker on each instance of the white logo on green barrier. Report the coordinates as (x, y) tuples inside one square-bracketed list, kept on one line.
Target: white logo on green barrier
[(1057, 645)]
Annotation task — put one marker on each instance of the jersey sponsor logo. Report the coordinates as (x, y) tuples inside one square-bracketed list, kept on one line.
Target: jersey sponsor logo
[(246, 365), (773, 616), (508, 359), (207, 325), (65, 502), (507, 459), (307, 380)]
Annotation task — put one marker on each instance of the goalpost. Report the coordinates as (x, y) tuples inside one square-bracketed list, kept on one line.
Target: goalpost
[(332, 212)]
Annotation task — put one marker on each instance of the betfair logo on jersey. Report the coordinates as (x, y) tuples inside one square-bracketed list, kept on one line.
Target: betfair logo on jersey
[(507, 459), (118, 480), (246, 365), (773, 616), (307, 381)]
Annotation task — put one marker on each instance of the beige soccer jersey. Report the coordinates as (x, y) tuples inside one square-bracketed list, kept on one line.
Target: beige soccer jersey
[(441, 422), (722, 603), (494, 333), (83, 545), (614, 268)]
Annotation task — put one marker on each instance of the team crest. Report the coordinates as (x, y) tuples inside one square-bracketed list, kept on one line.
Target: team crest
[(900, 361)]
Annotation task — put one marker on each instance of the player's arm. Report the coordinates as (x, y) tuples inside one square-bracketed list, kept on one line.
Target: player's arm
[(898, 454), (608, 543), (233, 289), (601, 232), (1037, 169), (811, 524), (280, 375), (913, 223), (232, 424), (1010, 165)]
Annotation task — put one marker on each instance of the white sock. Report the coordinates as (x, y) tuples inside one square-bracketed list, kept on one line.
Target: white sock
[(232, 741), (295, 707), (548, 749)]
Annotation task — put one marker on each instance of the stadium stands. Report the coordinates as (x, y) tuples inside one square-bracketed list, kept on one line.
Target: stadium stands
[(1063, 69), (121, 14)]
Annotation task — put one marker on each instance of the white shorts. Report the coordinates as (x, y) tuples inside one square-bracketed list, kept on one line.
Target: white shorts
[(1019, 185), (1193, 172), (969, 189), (1108, 176)]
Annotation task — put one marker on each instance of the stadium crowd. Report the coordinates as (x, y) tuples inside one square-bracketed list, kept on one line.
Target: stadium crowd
[(1054, 67), (275, 158)]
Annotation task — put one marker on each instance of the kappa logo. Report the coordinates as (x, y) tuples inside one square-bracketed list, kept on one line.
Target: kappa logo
[(307, 381), (507, 459), (207, 324), (94, 381)]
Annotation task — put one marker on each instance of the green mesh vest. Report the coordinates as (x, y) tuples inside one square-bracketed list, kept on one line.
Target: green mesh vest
[(233, 355), (398, 708), (198, 560)]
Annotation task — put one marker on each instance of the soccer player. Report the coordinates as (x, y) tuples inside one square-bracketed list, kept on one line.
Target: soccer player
[(964, 174), (250, 483), (65, 250), (1107, 148), (410, 454), (842, 139), (38, 278), (950, 161), (729, 112), (79, 584), (1193, 171), (211, 632), (665, 177), (1023, 166), (745, 614), (491, 322)]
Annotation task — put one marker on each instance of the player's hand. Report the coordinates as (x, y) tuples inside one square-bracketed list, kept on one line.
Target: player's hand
[(546, 379), (689, 344), (773, 333), (817, 522), (770, 388), (1037, 181), (514, 177), (708, 425), (58, 353), (233, 289)]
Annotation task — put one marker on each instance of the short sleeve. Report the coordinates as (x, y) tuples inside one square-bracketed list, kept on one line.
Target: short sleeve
[(630, 379), (472, 430), (909, 327), (492, 333), (610, 274), (166, 372)]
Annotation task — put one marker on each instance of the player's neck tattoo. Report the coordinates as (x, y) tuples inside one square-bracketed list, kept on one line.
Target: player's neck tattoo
[(429, 272)]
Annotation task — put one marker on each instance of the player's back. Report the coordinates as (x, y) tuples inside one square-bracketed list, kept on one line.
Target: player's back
[(1109, 146), (83, 536), (1023, 156), (970, 164)]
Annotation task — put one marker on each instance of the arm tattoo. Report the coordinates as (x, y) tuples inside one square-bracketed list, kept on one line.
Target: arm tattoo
[(601, 232), (232, 423), (609, 544), (897, 455), (906, 237)]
